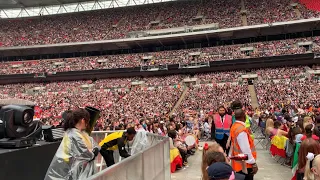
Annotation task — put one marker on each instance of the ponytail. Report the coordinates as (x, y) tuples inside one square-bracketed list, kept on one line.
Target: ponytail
[(207, 148), (68, 120), (308, 175), (204, 164)]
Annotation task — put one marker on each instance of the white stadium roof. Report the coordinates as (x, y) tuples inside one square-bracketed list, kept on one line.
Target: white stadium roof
[(29, 8)]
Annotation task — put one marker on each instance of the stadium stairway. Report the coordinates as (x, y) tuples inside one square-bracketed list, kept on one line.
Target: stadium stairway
[(179, 101), (297, 11), (253, 95), (243, 15), (243, 7)]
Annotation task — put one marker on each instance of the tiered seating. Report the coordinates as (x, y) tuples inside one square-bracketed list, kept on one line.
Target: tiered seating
[(296, 92), (269, 11), (208, 97), (144, 103), (118, 22), (261, 49), (310, 8)]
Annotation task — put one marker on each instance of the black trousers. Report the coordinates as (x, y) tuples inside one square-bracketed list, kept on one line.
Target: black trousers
[(183, 155), (223, 143), (249, 176), (107, 156), (300, 176)]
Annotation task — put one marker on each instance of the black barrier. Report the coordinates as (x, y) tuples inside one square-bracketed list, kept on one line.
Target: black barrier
[(27, 163), (225, 65)]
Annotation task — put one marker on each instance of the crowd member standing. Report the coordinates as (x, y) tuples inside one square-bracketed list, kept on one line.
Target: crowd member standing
[(221, 127), (242, 143), (75, 156), (238, 105)]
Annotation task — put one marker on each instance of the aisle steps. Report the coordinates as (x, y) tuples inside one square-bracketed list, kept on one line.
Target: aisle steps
[(179, 101), (253, 95)]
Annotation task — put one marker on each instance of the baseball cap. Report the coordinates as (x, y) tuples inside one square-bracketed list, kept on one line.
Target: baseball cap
[(222, 170)]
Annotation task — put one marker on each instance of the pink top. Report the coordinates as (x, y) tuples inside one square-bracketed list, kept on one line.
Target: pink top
[(274, 131)]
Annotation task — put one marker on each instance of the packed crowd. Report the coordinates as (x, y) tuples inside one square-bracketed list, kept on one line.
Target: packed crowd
[(162, 93), (144, 103), (293, 132), (261, 49), (293, 92), (231, 76), (305, 12), (114, 23), (280, 73), (261, 12), (204, 98), (118, 22)]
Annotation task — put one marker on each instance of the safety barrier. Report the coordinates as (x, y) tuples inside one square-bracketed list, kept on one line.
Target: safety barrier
[(151, 164)]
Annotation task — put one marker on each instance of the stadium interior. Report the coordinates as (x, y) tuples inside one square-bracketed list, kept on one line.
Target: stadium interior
[(146, 60)]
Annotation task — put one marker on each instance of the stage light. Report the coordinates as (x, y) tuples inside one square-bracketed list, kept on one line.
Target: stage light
[(17, 128)]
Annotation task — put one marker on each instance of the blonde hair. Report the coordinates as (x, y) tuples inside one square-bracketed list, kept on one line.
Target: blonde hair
[(269, 124), (306, 121), (308, 174), (212, 148)]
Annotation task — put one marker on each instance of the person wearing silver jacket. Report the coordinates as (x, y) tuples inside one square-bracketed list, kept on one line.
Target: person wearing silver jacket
[(75, 156)]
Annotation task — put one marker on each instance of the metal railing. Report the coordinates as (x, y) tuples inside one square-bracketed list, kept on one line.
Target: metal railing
[(151, 164)]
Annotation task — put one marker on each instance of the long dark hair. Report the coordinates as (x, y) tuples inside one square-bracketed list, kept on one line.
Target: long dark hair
[(307, 145), (172, 134), (73, 117)]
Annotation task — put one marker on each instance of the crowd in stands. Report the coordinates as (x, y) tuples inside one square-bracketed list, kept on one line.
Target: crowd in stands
[(285, 96), (231, 76), (145, 103), (306, 11), (262, 12), (261, 49), (137, 96), (116, 23), (293, 92), (204, 98), (280, 73)]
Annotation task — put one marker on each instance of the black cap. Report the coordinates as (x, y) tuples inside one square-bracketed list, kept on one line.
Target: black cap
[(222, 170), (131, 130)]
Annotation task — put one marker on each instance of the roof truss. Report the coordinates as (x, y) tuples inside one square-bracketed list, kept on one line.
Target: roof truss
[(61, 7)]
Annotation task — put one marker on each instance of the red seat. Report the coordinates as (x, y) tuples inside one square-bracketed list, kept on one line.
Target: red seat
[(311, 4)]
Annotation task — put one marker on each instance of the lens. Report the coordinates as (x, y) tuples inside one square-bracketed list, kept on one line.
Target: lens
[(27, 118)]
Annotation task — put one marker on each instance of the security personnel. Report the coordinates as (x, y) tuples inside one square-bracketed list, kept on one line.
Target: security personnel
[(242, 143), (238, 105), (221, 127), (247, 123), (114, 141)]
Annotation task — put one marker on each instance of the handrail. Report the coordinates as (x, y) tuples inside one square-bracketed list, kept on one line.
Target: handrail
[(158, 149)]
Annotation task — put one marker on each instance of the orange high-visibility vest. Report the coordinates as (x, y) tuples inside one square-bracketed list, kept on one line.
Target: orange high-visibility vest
[(222, 127), (235, 130)]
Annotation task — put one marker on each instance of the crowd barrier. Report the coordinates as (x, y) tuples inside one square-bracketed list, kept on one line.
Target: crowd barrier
[(151, 164)]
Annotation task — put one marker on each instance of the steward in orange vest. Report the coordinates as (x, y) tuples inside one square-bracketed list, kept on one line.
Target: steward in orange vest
[(242, 143)]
